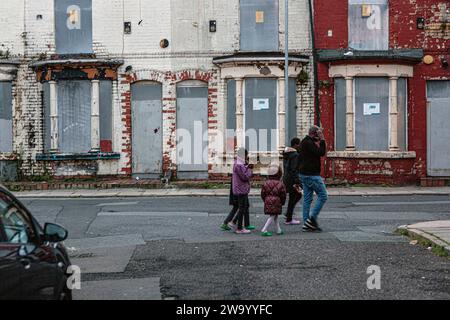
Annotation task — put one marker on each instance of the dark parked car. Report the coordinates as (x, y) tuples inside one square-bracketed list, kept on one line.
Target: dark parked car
[(33, 261)]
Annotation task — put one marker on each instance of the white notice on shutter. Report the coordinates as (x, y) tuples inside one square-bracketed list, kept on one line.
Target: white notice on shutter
[(371, 108), (260, 104)]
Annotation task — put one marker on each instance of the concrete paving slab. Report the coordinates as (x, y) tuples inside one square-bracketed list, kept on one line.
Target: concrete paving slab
[(105, 242), (123, 289), (152, 214), (102, 260)]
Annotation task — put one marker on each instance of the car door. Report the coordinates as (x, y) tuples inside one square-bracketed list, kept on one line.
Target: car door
[(10, 272), (38, 276)]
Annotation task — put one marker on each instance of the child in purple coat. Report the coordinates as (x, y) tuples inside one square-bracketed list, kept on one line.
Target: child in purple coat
[(242, 172)]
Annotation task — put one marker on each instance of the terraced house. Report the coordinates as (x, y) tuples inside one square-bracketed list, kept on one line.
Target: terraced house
[(124, 88), (385, 89)]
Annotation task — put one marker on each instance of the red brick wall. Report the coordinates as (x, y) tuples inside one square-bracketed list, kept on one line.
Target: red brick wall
[(403, 34)]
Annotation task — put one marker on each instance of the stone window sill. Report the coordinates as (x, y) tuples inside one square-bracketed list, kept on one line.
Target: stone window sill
[(8, 156), (372, 154), (78, 156)]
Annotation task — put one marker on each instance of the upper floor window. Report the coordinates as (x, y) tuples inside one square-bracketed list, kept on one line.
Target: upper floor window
[(259, 25), (73, 26), (368, 24)]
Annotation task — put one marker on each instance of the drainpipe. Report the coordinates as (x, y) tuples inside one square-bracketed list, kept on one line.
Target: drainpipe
[(286, 57), (314, 59)]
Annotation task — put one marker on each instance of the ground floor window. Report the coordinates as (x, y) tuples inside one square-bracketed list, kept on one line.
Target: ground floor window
[(74, 112), (260, 113), (373, 118), (6, 131)]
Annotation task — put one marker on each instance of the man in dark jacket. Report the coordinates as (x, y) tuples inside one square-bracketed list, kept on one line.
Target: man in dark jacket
[(312, 148), (291, 178)]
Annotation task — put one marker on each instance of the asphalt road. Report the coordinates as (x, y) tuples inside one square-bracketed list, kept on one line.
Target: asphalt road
[(172, 248)]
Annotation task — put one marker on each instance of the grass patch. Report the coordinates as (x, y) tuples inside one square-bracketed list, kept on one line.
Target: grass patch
[(424, 242)]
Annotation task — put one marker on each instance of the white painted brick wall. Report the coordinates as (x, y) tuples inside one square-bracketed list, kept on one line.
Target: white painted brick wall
[(185, 23)]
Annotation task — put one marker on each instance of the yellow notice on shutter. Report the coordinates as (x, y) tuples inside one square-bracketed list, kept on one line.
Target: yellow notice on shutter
[(259, 16), (366, 10)]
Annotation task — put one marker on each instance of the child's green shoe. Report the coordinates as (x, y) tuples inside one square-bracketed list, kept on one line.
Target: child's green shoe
[(225, 227), (266, 234)]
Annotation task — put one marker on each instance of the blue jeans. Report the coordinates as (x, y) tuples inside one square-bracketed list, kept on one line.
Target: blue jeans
[(313, 184)]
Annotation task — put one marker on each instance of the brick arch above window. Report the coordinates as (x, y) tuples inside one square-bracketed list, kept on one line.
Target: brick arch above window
[(147, 75)]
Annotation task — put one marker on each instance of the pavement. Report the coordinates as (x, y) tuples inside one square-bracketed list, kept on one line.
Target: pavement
[(172, 248), (173, 192), (438, 232)]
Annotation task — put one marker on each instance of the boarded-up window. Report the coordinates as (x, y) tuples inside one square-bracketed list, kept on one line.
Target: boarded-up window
[(106, 115), (372, 114), (46, 117), (371, 106), (73, 26), (231, 116), (291, 112), (259, 25), (261, 114), (6, 117), (340, 113), (368, 25), (74, 116), (402, 113)]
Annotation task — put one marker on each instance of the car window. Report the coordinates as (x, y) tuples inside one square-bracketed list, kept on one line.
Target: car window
[(15, 224)]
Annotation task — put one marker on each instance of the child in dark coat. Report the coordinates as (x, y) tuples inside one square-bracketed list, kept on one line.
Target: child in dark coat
[(273, 194)]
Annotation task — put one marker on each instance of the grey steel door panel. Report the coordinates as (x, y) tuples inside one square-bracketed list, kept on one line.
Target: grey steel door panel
[(438, 131), (192, 130), (146, 109)]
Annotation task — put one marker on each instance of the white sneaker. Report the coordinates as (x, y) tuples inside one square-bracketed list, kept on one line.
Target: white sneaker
[(243, 231), (292, 222)]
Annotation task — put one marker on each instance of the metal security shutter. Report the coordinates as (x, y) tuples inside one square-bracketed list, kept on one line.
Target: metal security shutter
[(106, 115), (192, 129), (340, 114), (261, 114), (231, 116), (372, 32), (73, 26), (146, 106), (402, 123), (47, 119), (438, 129), (372, 128), (291, 112), (6, 129), (74, 116), (259, 25)]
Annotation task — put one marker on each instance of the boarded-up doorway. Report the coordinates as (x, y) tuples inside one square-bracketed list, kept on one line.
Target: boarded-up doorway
[(192, 130), (146, 109), (438, 129)]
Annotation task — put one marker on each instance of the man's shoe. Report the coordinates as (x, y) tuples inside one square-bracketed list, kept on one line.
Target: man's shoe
[(312, 224), (242, 231), (306, 228), (250, 227), (292, 222), (225, 227)]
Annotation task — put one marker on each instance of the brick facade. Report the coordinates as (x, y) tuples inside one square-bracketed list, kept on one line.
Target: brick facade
[(189, 56), (331, 30)]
